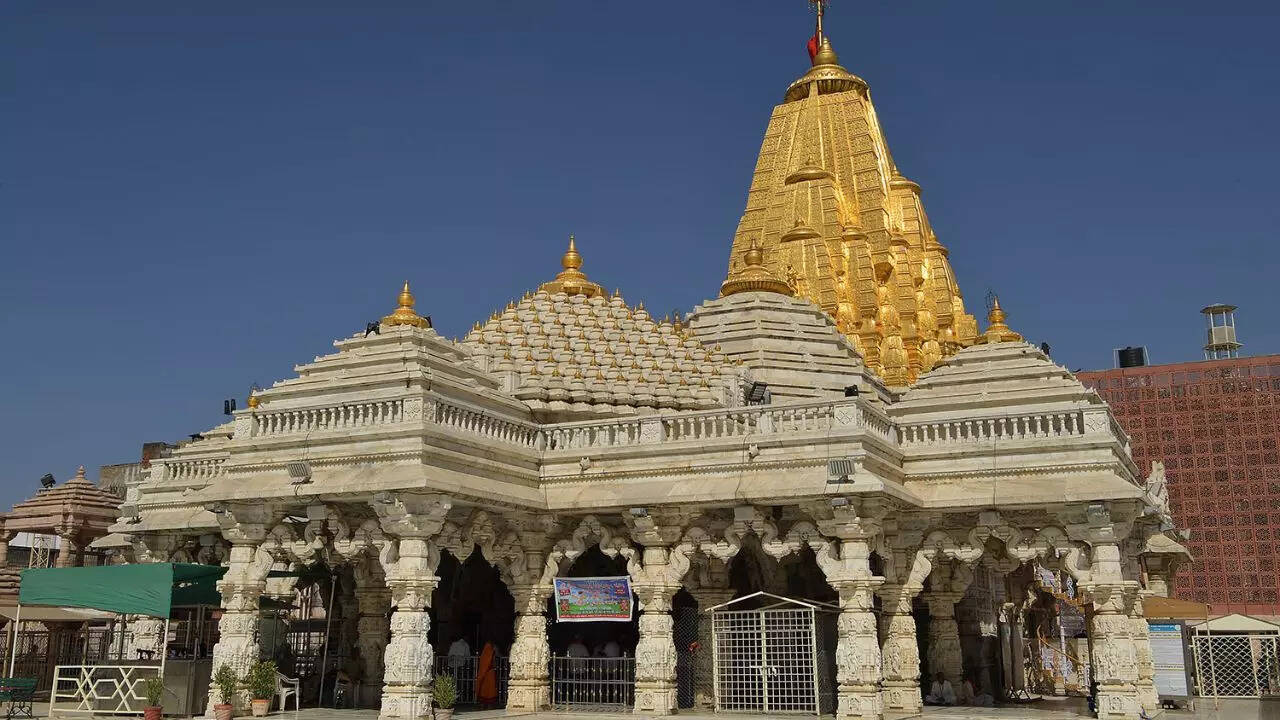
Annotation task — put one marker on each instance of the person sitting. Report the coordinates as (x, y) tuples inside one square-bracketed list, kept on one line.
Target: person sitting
[(609, 650), (577, 648), (972, 693), (941, 692)]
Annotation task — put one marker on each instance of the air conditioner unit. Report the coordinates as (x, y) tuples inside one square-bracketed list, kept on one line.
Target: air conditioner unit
[(839, 471)]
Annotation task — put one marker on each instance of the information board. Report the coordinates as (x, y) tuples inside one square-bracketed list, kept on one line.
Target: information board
[(593, 599), (1168, 651)]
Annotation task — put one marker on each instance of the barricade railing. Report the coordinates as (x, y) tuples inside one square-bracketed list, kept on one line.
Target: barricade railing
[(593, 684), (100, 689)]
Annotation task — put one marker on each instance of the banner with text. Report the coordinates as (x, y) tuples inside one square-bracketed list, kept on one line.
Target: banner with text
[(593, 599)]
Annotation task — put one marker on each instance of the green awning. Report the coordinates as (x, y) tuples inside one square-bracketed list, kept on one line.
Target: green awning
[(140, 589)]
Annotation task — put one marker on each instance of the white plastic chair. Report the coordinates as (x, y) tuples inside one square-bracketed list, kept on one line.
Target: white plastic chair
[(286, 686)]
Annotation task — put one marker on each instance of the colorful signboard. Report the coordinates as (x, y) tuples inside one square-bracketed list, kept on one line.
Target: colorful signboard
[(593, 599)]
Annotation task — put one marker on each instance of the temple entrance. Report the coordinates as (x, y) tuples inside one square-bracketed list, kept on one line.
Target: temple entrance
[(473, 629), (775, 645), (767, 655), (593, 663)]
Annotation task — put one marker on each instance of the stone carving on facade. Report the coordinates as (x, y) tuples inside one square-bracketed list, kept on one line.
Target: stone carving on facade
[(409, 560), (245, 526)]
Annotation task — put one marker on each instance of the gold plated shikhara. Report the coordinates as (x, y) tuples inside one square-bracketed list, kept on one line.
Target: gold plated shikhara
[(838, 223), (571, 280), (753, 277), (405, 314)]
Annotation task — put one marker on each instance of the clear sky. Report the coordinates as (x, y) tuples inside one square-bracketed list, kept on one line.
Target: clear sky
[(196, 196)]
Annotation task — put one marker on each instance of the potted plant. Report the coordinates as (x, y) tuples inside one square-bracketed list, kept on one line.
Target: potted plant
[(227, 683), (153, 690), (444, 693), (261, 681)]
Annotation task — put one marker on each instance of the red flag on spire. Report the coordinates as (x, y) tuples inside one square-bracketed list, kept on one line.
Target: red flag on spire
[(813, 48)]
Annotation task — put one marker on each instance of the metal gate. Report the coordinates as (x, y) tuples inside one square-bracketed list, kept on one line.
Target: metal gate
[(593, 684), (1237, 665), (766, 657)]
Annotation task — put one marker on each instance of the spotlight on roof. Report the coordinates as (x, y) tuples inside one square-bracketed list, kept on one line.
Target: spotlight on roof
[(373, 328), (228, 406), (851, 391), (299, 472), (639, 512), (758, 394), (837, 502), (47, 480), (1044, 348), (134, 520)]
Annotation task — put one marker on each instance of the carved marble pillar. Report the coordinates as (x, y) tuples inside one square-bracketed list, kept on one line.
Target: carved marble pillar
[(409, 561), (704, 669), (529, 685), (1148, 695), (656, 648), (858, 649), (373, 607), (846, 562), (5, 536), (944, 653), (241, 586), (899, 652), (1111, 630)]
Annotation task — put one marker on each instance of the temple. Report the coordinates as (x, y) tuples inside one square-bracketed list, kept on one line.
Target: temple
[(831, 428)]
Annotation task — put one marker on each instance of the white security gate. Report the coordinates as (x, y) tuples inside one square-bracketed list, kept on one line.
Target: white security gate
[(766, 657), (1237, 665)]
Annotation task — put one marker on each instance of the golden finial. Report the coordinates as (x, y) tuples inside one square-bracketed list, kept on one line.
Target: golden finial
[(571, 280), (405, 314), (617, 292), (997, 330), (253, 401), (754, 277)]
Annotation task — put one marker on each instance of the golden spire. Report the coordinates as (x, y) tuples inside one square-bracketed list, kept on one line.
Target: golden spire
[(826, 75), (997, 330), (571, 280), (754, 277), (405, 314)]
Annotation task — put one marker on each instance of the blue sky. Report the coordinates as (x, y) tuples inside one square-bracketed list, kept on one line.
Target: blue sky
[(198, 196)]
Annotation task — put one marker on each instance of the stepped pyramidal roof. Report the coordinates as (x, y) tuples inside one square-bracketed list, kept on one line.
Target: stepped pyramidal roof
[(845, 230)]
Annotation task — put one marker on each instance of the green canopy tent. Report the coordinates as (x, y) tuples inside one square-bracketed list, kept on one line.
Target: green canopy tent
[(151, 589)]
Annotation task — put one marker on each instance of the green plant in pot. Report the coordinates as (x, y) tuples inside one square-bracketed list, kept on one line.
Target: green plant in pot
[(227, 683), (261, 681), (153, 691), (444, 693)]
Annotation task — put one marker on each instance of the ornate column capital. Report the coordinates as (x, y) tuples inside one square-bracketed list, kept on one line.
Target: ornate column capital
[(850, 518), (244, 523), (411, 515), (657, 526)]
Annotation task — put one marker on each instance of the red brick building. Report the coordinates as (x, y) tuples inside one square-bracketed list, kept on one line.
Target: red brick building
[(1215, 425)]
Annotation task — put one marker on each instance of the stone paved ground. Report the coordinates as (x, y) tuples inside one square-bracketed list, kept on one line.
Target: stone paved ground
[(1048, 709)]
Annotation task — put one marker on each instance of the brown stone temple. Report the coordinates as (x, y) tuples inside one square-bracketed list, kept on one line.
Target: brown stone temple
[(77, 511)]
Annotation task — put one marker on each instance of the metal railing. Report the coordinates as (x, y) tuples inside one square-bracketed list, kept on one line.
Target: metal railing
[(40, 651), (100, 689), (593, 684), (463, 670)]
